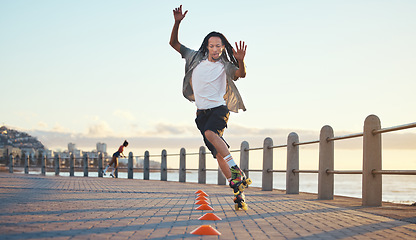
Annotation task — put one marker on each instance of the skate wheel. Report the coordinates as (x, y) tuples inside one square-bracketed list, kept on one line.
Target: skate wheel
[(248, 181), (236, 207), (241, 187), (245, 207)]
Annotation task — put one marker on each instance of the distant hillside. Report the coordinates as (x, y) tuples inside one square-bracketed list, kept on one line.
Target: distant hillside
[(16, 139)]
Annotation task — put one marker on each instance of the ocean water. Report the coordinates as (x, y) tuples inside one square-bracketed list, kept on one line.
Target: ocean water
[(397, 189)]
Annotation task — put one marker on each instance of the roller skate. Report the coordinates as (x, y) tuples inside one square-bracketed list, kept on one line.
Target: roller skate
[(239, 183), (239, 201)]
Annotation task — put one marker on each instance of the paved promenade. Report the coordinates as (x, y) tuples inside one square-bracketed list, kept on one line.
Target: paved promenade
[(39, 207)]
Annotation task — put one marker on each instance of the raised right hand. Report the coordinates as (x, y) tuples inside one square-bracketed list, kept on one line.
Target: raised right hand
[(177, 14)]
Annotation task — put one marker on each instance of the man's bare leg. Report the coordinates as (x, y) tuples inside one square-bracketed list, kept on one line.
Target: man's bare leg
[(222, 151), (225, 169), (228, 170)]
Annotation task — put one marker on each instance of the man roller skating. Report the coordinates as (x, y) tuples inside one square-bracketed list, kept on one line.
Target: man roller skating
[(209, 82)]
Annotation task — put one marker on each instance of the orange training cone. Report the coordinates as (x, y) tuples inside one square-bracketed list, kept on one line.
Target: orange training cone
[(205, 230), (204, 207), (199, 191), (200, 202), (203, 194), (201, 198), (210, 216)]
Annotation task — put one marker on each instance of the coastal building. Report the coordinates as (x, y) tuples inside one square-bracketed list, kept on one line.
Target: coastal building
[(102, 148)]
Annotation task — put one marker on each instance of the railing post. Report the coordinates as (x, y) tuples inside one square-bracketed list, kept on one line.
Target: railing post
[(292, 178), (202, 173), (43, 164), (100, 164), (57, 161), (85, 160), (146, 163), (71, 165), (182, 165), (164, 166), (267, 177), (326, 162), (11, 163), (27, 163), (372, 183), (244, 157), (221, 178), (130, 166)]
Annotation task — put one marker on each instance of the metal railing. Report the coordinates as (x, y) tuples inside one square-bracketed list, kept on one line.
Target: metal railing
[(371, 172)]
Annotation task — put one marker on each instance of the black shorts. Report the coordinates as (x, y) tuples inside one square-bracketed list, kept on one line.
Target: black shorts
[(214, 119)]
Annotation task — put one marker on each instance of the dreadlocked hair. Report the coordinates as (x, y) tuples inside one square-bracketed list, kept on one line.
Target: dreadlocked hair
[(229, 49)]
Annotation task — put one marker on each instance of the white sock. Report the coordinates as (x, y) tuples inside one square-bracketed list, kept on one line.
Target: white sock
[(229, 159), (112, 172), (105, 170), (229, 179)]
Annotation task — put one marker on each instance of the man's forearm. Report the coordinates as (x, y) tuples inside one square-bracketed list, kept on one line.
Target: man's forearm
[(174, 42), (241, 72)]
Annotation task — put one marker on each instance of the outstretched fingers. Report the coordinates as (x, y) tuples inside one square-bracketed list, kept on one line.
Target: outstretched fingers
[(240, 51), (178, 11), (243, 46)]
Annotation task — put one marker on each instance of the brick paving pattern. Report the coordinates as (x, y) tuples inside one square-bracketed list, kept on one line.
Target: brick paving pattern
[(39, 207)]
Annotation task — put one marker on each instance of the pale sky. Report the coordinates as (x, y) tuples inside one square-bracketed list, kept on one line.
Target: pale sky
[(105, 69)]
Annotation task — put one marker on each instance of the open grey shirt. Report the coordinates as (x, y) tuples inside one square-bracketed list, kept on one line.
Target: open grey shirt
[(193, 58)]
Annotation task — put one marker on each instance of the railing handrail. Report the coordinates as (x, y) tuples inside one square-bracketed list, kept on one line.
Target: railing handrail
[(395, 128), (348, 136), (353, 135), (305, 143), (343, 171), (278, 146), (394, 172)]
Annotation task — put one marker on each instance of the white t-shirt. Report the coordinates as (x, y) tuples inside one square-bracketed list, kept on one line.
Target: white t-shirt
[(209, 84)]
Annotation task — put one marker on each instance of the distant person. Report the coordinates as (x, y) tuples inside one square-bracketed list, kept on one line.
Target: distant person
[(114, 160), (208, 82)]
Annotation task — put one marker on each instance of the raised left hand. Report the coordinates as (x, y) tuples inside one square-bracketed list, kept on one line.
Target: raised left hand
[(241, 51)]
